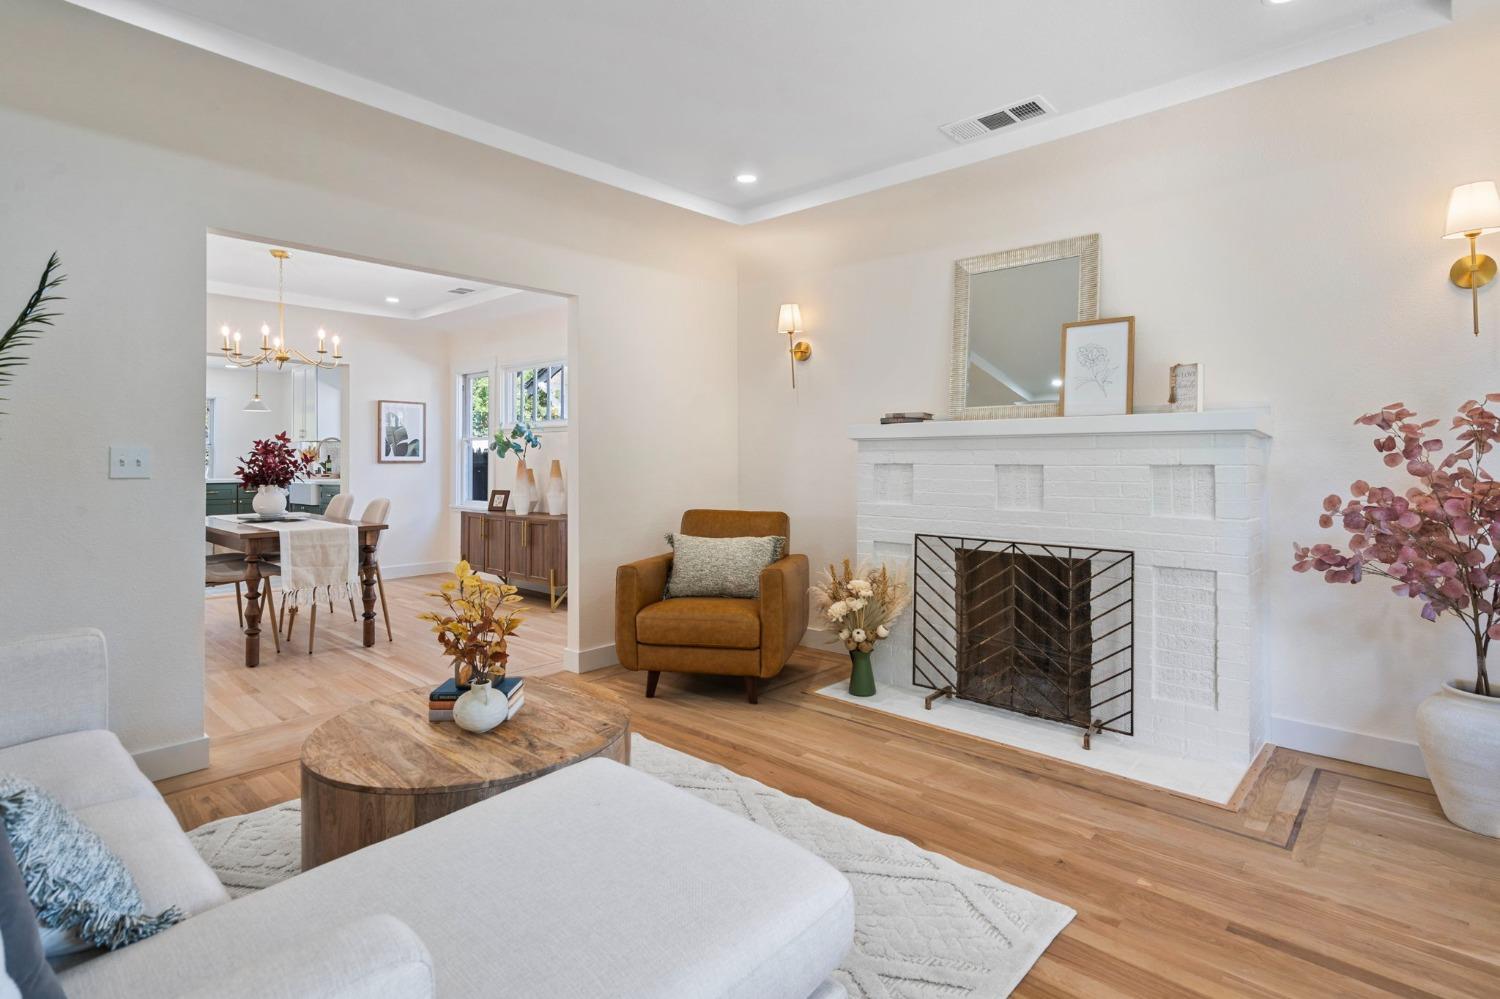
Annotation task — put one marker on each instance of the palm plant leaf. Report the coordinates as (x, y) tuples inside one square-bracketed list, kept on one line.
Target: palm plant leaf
[(35, 317)]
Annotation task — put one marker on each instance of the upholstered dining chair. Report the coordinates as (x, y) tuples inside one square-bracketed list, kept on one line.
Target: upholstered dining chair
[(340, 507), (376, 513), (222, 570), (726, 636)]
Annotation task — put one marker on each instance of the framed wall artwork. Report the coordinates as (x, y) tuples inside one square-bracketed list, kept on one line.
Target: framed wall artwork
[(402, 431), (1098, 367), (1186, 395)]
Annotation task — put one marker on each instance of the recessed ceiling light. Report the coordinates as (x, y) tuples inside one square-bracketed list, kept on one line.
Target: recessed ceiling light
[(1057, 383), (1274, 3), (746, 178), (393, 299)]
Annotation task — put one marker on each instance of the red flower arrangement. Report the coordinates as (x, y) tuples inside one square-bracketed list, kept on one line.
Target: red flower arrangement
[(272, 462), (1439, 540)]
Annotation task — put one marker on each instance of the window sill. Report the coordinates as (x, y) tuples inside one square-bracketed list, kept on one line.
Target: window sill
[(475, 507)]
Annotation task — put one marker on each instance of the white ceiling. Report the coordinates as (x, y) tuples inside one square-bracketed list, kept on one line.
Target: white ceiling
[(245, 269), (822, 99)]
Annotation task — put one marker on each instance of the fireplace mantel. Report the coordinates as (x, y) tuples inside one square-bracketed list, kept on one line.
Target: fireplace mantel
[(1183, 492), (1250, 421)]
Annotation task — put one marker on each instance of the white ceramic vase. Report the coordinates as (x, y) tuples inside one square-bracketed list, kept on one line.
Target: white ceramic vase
[(520, 493), (557, 490), (269, 501), (533, 494), (1459, 732), (480, 708)]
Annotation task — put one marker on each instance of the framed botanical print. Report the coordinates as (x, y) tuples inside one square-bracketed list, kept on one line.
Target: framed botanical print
[(402, 431), (1098, 367), (499, 500)]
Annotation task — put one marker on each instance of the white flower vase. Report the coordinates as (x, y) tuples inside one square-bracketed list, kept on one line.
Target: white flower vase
[(520, 493), (1459, 732), (269, 501), (480, 708), (557, 491), (532, 493)]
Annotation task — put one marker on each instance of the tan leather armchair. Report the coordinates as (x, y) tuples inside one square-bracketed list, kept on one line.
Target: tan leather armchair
[(718, 635)]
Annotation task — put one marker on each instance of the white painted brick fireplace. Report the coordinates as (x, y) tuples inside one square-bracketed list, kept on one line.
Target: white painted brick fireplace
[(1184, 491)]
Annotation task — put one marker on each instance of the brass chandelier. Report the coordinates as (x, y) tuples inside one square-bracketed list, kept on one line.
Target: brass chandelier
[(277, 351)]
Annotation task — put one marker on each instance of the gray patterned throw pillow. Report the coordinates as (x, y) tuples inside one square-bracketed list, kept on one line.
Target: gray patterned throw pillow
[(720, 567), (72, 878)]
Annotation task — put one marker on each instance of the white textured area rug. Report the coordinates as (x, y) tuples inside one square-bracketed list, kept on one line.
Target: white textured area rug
[(925, 927)]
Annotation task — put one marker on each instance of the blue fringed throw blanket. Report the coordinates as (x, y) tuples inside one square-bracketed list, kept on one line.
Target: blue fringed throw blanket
[(72, 878)]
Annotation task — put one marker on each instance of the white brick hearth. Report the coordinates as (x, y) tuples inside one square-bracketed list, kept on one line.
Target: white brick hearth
[(1183, 491)]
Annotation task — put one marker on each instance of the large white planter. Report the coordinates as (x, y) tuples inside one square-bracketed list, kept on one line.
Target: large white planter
[(1459, 732), (269, 501)]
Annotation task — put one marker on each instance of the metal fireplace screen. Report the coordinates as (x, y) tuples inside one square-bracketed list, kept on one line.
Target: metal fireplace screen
[(1043, 630)]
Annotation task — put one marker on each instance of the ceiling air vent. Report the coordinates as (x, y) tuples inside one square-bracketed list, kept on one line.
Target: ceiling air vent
[(978, 127), (460, 291)]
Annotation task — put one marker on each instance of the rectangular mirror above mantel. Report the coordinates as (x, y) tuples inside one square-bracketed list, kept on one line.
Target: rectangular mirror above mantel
[(1008, 313)]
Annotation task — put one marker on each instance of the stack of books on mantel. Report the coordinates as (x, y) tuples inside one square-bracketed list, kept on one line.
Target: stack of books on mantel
[(440, 701)]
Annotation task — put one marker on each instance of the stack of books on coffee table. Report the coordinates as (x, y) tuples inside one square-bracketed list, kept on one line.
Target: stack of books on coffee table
[(440, 701)]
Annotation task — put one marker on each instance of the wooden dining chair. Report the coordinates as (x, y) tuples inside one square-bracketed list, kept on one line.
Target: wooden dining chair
[(376, 513), (222, 570)]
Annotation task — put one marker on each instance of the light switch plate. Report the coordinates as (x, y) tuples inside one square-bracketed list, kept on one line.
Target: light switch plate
[(129, 462)]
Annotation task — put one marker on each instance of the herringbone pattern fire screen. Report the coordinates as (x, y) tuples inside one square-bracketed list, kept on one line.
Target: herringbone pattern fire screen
[(1043, 630)]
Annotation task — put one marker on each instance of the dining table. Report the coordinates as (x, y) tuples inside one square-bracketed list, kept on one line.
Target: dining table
[(258, 540)]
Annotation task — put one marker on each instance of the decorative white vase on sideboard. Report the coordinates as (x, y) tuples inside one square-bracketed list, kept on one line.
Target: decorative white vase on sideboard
[(557, 490), (520, 493), (1459, 732), (269, 501)]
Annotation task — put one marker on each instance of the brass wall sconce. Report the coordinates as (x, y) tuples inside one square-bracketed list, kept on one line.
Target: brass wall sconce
[(790, 323), (1473, 211)]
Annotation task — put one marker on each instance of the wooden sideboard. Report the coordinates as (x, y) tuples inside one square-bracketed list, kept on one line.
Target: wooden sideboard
[(519, 548)]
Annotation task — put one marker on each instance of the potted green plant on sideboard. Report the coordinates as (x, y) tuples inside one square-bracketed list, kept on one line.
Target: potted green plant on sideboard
[(1439, 543)]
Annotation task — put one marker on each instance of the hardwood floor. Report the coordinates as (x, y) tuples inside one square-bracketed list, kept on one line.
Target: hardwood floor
[(1332, 879)]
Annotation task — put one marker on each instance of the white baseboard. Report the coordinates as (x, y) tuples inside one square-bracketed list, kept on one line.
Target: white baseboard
[(176, 758), (588, 660), (1342, 744), (415, 569)]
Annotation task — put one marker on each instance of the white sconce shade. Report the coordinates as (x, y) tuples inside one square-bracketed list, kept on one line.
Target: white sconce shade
[(790, 320), (1472, 208)]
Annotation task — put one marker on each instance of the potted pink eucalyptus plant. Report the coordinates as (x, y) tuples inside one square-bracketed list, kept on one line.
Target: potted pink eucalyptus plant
[(1439, 544)]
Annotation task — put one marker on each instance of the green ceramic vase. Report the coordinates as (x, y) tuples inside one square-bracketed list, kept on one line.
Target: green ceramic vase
[(862, 677)]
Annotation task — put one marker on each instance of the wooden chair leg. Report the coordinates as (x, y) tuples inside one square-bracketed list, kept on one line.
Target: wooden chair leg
[(312, 625), (265, 589), (651, 677), (353, 616), (752, 690), (291, 618), (380, 586), (239, 606)]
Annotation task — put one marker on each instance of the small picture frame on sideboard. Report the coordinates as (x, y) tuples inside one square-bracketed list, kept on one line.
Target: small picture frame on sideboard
[(1186, 393), (499, 500)]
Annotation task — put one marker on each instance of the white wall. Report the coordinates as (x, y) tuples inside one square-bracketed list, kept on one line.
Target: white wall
[(123, 149), (234, 429), (387, 359), (1286, 234)]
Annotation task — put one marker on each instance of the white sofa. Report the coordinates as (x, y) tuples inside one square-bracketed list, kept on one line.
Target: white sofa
[(596, 880)]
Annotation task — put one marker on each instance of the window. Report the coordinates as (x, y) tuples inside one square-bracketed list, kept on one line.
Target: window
[(537, 395), (474, 439), (208, 438)]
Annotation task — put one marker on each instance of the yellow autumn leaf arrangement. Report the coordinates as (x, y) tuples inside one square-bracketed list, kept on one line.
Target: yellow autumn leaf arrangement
[(473, 631)]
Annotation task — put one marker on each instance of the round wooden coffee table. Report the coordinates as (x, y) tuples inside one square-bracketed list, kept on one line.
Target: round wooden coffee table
[(382, 768)]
